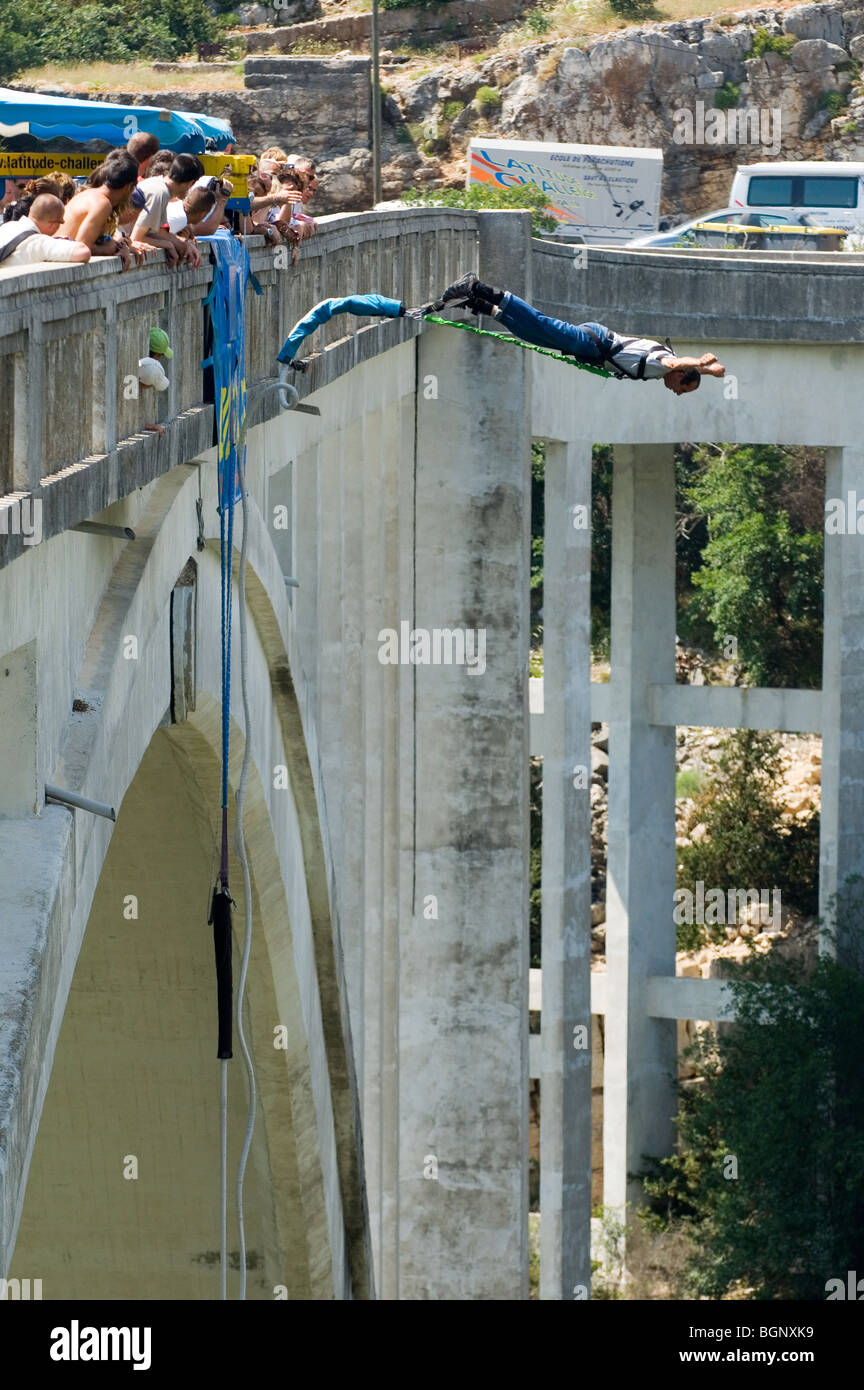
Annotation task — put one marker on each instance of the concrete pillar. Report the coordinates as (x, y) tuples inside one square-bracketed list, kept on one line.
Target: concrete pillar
[(463, 969), (35, 403), (842, 846), (505, 251), (641, 1054), (565, 1085), (383, 839)]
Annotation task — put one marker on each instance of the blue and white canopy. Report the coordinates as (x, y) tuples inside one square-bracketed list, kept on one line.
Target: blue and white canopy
[(28, 120)]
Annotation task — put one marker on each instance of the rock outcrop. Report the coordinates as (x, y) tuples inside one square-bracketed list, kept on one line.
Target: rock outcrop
[(794, 100)]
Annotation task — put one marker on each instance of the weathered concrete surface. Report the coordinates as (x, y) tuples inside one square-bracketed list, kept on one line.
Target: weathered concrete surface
[(100, 453), (566, 1068), (58, 860), (640, 1052), (463, 962), (842, 791)]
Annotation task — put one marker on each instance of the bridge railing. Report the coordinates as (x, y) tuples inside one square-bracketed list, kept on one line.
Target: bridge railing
[(72, 412)]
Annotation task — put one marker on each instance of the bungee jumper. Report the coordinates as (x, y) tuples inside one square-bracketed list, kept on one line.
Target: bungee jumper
[(591, 346), (634, 359)]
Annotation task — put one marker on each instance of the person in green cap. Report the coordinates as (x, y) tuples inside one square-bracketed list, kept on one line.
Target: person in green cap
[(159, 344)]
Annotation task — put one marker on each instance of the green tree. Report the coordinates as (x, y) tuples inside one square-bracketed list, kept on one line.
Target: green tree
[(21, 23), (782, 1094), (89, 31), (750, 841), (761, 576), (632, 9)]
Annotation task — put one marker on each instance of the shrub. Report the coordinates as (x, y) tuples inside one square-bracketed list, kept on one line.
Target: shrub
[(536, 22), (452, 109), (480, 196), (833, 102), (782, 1091), (766, 42), (487, 99), (689, 782), (727, 96), (750, 842), (632, 9)]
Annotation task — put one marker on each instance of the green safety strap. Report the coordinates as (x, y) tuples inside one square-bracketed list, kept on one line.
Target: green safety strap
[(505, 338)]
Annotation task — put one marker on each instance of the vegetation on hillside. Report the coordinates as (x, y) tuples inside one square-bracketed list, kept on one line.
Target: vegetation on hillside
[(749, 840), (749, 529), (36, 31), (768, 1178)]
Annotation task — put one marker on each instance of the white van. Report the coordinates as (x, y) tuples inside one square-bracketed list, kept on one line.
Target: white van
[(817, 191)]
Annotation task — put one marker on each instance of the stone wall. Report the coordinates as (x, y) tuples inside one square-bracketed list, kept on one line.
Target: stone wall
[(319, 107), (455, 20)]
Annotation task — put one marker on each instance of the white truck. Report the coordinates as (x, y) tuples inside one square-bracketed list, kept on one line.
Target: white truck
[(608, 193)]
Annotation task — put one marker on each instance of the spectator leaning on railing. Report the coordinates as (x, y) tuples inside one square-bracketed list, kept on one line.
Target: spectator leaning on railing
[(150, 227), (143, 147), (266, 200), (305, 170), (33, 238), (91, 214), (202, 211)]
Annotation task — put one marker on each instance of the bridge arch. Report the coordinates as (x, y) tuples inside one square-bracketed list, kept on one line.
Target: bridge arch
[(120, 744)]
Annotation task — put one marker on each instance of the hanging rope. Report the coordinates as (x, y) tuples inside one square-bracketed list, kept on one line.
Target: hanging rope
[(220, 910), (531, 347), (240, 849)]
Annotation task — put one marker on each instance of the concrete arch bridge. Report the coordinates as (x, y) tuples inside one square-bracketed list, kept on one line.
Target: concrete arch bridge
[(387, 814)]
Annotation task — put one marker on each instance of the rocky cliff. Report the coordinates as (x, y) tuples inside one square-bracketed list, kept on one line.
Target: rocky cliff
[(789, 78)]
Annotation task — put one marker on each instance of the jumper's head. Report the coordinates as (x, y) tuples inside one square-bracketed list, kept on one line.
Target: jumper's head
[(682, 380)]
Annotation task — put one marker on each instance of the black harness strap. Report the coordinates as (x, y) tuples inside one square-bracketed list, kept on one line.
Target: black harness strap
[(6, 251), (607, 351)]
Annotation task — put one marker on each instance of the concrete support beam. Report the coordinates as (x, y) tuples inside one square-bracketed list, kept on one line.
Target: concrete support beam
[(641, 1052), (565, 1095), (686, 997), (505, 251), (735, 707), (842, 845), (463, 972)]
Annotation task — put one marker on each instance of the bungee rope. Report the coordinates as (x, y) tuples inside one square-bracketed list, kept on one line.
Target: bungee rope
[(220, 910), (240, 850), (506, 338)]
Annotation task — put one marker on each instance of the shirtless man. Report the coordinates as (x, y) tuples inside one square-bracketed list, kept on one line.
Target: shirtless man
[(90, 213)]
